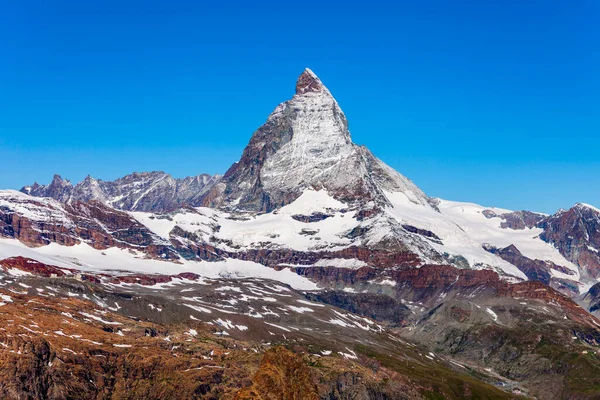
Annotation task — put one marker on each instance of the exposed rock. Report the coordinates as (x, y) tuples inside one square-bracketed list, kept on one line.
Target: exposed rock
[(314, 217), (422, 232), (34, 267), (376, 306), (38, 222), (576, 234), (517, 219), (147, 191), (538, 270)]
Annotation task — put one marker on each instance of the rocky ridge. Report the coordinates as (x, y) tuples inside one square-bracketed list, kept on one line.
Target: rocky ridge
[(146, 191)]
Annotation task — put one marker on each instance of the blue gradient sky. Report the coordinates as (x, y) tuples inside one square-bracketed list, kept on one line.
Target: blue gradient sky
[(492, 103)]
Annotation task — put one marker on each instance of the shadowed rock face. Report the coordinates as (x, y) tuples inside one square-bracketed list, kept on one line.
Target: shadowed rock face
[(377, 306)]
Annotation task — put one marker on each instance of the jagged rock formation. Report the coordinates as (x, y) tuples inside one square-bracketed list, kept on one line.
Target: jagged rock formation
[(147, 191)]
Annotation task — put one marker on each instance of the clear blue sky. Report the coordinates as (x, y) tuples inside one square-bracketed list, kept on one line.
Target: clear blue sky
[(494, 103)]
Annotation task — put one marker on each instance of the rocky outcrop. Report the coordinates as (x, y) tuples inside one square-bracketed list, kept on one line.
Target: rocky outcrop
[(430, 283), (576, 234), (539, 270), (34, 267), (376, 306), (517, 219), (281, 375), (314, 217)]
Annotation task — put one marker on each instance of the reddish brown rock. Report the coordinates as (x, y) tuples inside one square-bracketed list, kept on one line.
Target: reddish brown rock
[(576, 234), (34, 267)]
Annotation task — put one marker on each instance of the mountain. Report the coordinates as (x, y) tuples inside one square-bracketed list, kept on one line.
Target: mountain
[(305, 144), (303, 193), (576, 233), (315, 259), (147, 191)]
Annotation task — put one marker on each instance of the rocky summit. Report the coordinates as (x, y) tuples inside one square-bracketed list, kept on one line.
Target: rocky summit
[(309, 270)]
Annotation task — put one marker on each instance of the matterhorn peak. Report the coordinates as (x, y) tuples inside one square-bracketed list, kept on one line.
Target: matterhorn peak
[(308, 81), (305, 144)]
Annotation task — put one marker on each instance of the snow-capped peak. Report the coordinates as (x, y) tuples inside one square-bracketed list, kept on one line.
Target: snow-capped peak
[(305, 144)]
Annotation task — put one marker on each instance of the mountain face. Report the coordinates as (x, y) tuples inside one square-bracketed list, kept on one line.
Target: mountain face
[(148, 191), (306, 144)]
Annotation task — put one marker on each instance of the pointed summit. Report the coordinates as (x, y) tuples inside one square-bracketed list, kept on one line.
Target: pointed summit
[(57, 180), (305, 144), (308, 81)]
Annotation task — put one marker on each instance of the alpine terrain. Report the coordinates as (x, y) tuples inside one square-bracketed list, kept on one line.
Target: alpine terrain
[(308, 270)]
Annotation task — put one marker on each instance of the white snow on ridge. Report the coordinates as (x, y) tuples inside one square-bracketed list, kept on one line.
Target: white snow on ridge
[(162, 225), (471, 219), (455, 239), (33, 208), (589, 206), (312, 201), (492, 314), (464, 229), (278, 228), (85, 258)]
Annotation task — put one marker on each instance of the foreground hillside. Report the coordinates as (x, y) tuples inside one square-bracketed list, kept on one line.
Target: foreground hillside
[(436, 332), (57, 347)]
